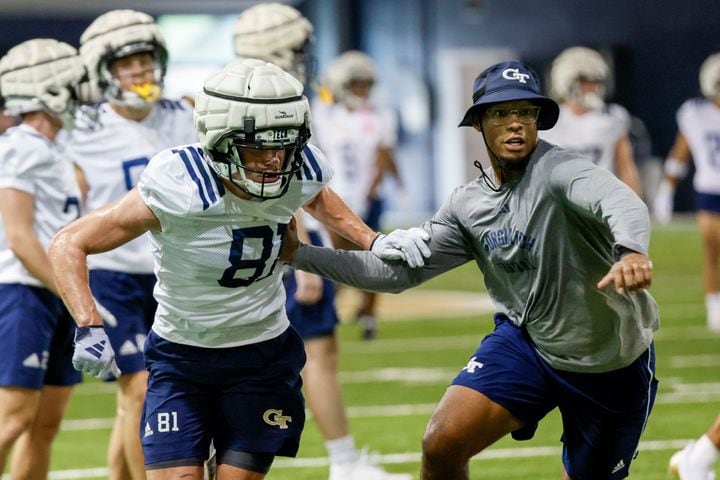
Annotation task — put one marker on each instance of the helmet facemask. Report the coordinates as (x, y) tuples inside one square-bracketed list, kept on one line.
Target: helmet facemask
[(593, 99), (138, 96), (227, 158)]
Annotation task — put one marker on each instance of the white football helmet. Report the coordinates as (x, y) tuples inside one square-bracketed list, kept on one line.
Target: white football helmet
[(253, 104), (352, 65), (42, 74), (575, 64), (275, 33), (117, 34), (710, 76)]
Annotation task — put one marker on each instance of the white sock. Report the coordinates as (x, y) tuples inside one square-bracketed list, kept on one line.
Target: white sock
[(342, 450), (704, 453), (712, 305)]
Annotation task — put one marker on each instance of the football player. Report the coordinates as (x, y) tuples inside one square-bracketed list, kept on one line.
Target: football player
[(698, 138), (223, 363), (280, 34), (580, 79), (358, 139), (126, 57), (39, 194)]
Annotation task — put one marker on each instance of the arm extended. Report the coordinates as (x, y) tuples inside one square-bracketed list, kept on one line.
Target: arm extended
[(100, 231)]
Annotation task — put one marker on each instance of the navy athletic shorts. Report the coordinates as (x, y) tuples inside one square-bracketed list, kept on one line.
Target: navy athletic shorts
[(246, 399), (375, 210), (603, 414), (36, 338), (708, 202), (129, 297)]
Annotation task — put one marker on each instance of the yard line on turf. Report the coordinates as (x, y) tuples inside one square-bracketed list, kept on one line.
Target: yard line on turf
[(682, 393), (391, 458)]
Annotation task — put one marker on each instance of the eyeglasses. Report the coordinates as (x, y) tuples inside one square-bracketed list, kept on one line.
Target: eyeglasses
[(501, 116)]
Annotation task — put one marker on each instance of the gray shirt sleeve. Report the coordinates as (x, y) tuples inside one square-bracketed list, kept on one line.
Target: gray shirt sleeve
[(599, 193), (363, 270)]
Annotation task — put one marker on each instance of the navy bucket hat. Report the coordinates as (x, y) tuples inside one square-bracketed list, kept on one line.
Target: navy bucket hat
[(507, 82)]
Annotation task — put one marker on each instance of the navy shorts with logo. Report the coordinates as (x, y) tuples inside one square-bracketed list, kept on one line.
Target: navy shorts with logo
[(603, 414), (315, 320), (129, 297), (247, 399), (36, 338)]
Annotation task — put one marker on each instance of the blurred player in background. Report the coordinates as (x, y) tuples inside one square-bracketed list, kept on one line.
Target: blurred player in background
[(39, 194), (279, 34), (126, 57), (698, 138), (358, 138), (580, 78), (224, 364)]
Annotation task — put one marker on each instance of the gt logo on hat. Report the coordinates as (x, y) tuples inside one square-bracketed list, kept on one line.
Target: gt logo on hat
[(514, 74), (492, 87)]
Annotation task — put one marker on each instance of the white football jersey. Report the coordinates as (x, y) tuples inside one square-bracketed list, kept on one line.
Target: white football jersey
[(114, 154), (31, 163), (216, 257), (594, 134), (699, 121), (350, 140)]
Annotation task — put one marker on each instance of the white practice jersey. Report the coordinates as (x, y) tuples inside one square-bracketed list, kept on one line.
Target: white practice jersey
[(594, 134), (216, 257), (699, 121), (31, 163), (114, 154), (350, 139)]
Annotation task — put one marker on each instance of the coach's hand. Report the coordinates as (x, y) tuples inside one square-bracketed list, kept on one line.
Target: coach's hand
[(409, 245), (93, 352), (632, 272)]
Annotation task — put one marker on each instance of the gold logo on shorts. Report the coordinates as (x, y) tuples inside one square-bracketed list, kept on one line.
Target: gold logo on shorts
[(276, 418)]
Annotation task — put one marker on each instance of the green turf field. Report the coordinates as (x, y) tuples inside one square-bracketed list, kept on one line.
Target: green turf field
[(392, 384)]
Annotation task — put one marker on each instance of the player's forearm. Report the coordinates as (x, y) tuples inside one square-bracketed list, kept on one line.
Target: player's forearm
[(332, 212), (69, 267), (358, 269)]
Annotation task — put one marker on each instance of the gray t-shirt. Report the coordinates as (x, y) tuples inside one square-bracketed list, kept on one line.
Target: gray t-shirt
[(543, 242)]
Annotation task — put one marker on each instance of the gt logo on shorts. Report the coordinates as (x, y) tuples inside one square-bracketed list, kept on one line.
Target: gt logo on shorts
[(276, 418), (472, 365)]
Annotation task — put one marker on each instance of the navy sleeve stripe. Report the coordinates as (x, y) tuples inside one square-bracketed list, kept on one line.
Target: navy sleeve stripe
[(313, 163), (213, 175), (195, 178), (207, 175)]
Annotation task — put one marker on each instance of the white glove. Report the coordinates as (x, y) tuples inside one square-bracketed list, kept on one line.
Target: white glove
[(93, 352), (663, 203), (408, 245)]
